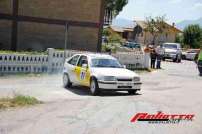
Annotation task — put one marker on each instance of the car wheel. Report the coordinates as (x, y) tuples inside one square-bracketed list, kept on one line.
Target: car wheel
[(132, 92), (179, 60), (183, 57), (94, 88), (66, 81)]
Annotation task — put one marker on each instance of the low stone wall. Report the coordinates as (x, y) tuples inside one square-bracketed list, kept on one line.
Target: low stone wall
[(53, 61)]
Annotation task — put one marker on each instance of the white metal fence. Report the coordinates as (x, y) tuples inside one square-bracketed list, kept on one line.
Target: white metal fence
[(54, 60)]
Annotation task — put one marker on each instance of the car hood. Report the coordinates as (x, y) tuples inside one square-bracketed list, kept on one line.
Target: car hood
[(117, 72), (167, 50)]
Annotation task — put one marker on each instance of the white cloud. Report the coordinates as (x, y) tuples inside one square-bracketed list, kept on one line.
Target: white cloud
[(198, 5), (175, 1)]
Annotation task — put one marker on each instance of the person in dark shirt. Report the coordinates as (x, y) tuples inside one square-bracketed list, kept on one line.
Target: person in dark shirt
[(153, 58)]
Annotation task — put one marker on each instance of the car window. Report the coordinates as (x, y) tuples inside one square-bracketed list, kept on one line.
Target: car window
[(111, 63), (73, 60), (190, 52), (171, 46), (193, 51), (82, 60)]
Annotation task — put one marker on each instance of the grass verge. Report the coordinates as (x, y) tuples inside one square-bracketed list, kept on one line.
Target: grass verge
[(18, 101)]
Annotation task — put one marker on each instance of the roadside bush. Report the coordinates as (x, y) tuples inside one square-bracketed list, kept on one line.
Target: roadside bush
[(109, 48), (115, 38), (18, 100)]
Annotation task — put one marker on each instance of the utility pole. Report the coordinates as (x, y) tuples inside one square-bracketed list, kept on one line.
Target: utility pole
[(65, 45)]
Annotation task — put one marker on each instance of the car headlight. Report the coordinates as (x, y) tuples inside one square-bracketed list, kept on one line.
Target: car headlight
[(136, 78), (108, 78)]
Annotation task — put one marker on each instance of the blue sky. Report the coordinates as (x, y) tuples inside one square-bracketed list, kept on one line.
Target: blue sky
[(175, 10)]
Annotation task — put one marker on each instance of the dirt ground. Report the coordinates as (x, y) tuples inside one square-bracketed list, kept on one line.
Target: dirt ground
[(176, 89)]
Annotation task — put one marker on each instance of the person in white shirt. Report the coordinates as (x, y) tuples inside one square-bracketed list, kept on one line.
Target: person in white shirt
[(160, 52)]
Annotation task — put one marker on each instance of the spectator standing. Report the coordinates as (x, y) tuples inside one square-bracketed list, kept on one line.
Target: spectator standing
[(153, 58), (159, 53)]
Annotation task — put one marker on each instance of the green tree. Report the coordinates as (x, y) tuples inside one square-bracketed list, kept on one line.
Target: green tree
[(106, 32), (155, 26), (115, 38), (116, 5), (179, 38), (193, 36)]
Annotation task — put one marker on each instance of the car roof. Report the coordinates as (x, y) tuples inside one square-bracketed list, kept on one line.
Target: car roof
[(172, 43), (97, 55), (132, 42)]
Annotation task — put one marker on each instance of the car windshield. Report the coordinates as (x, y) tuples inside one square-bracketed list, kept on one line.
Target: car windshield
[(110, 63), (171, 46), (133, 45)]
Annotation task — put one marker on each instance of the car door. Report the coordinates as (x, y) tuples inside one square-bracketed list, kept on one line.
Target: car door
[(190, 55), (82, 71), (71, 67)]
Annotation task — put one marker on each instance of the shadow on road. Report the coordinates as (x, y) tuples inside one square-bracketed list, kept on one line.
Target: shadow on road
[(84, 91), (171, 61)]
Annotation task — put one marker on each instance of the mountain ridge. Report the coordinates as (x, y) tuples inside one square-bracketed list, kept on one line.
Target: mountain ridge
[(185, 23), (181, 25)]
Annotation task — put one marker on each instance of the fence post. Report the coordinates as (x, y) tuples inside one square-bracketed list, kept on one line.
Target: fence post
[(50, 59), (147, 60)]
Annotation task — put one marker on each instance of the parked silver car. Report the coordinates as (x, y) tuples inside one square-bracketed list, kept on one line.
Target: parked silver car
[(172, 51), (190, 54)]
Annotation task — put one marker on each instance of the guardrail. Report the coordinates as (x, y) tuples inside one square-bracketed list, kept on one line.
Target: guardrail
[(53, 61)]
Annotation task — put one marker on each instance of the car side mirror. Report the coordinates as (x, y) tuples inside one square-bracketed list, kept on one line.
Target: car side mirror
[(84, 66)]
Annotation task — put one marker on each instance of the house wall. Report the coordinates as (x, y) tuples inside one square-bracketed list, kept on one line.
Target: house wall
[(84, 24), (147, 38), (5, 34), (5, 25), (6, 6)]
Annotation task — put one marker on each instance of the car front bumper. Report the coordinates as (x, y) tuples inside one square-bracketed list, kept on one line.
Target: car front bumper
[(170, 56), (119, 86)]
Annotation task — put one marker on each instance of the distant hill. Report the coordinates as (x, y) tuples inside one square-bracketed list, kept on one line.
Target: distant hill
[(129, 23), (185, 23)]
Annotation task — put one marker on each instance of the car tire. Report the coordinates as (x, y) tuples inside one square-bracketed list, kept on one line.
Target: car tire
[(132, 92), (184, 57), (66, 81), (179, 60), (94, 88)]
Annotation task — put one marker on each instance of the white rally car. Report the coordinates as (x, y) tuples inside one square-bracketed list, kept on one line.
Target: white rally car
[(99, 72)]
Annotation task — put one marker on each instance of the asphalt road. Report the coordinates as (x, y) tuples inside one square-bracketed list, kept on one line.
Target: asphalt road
[(176, 89)]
